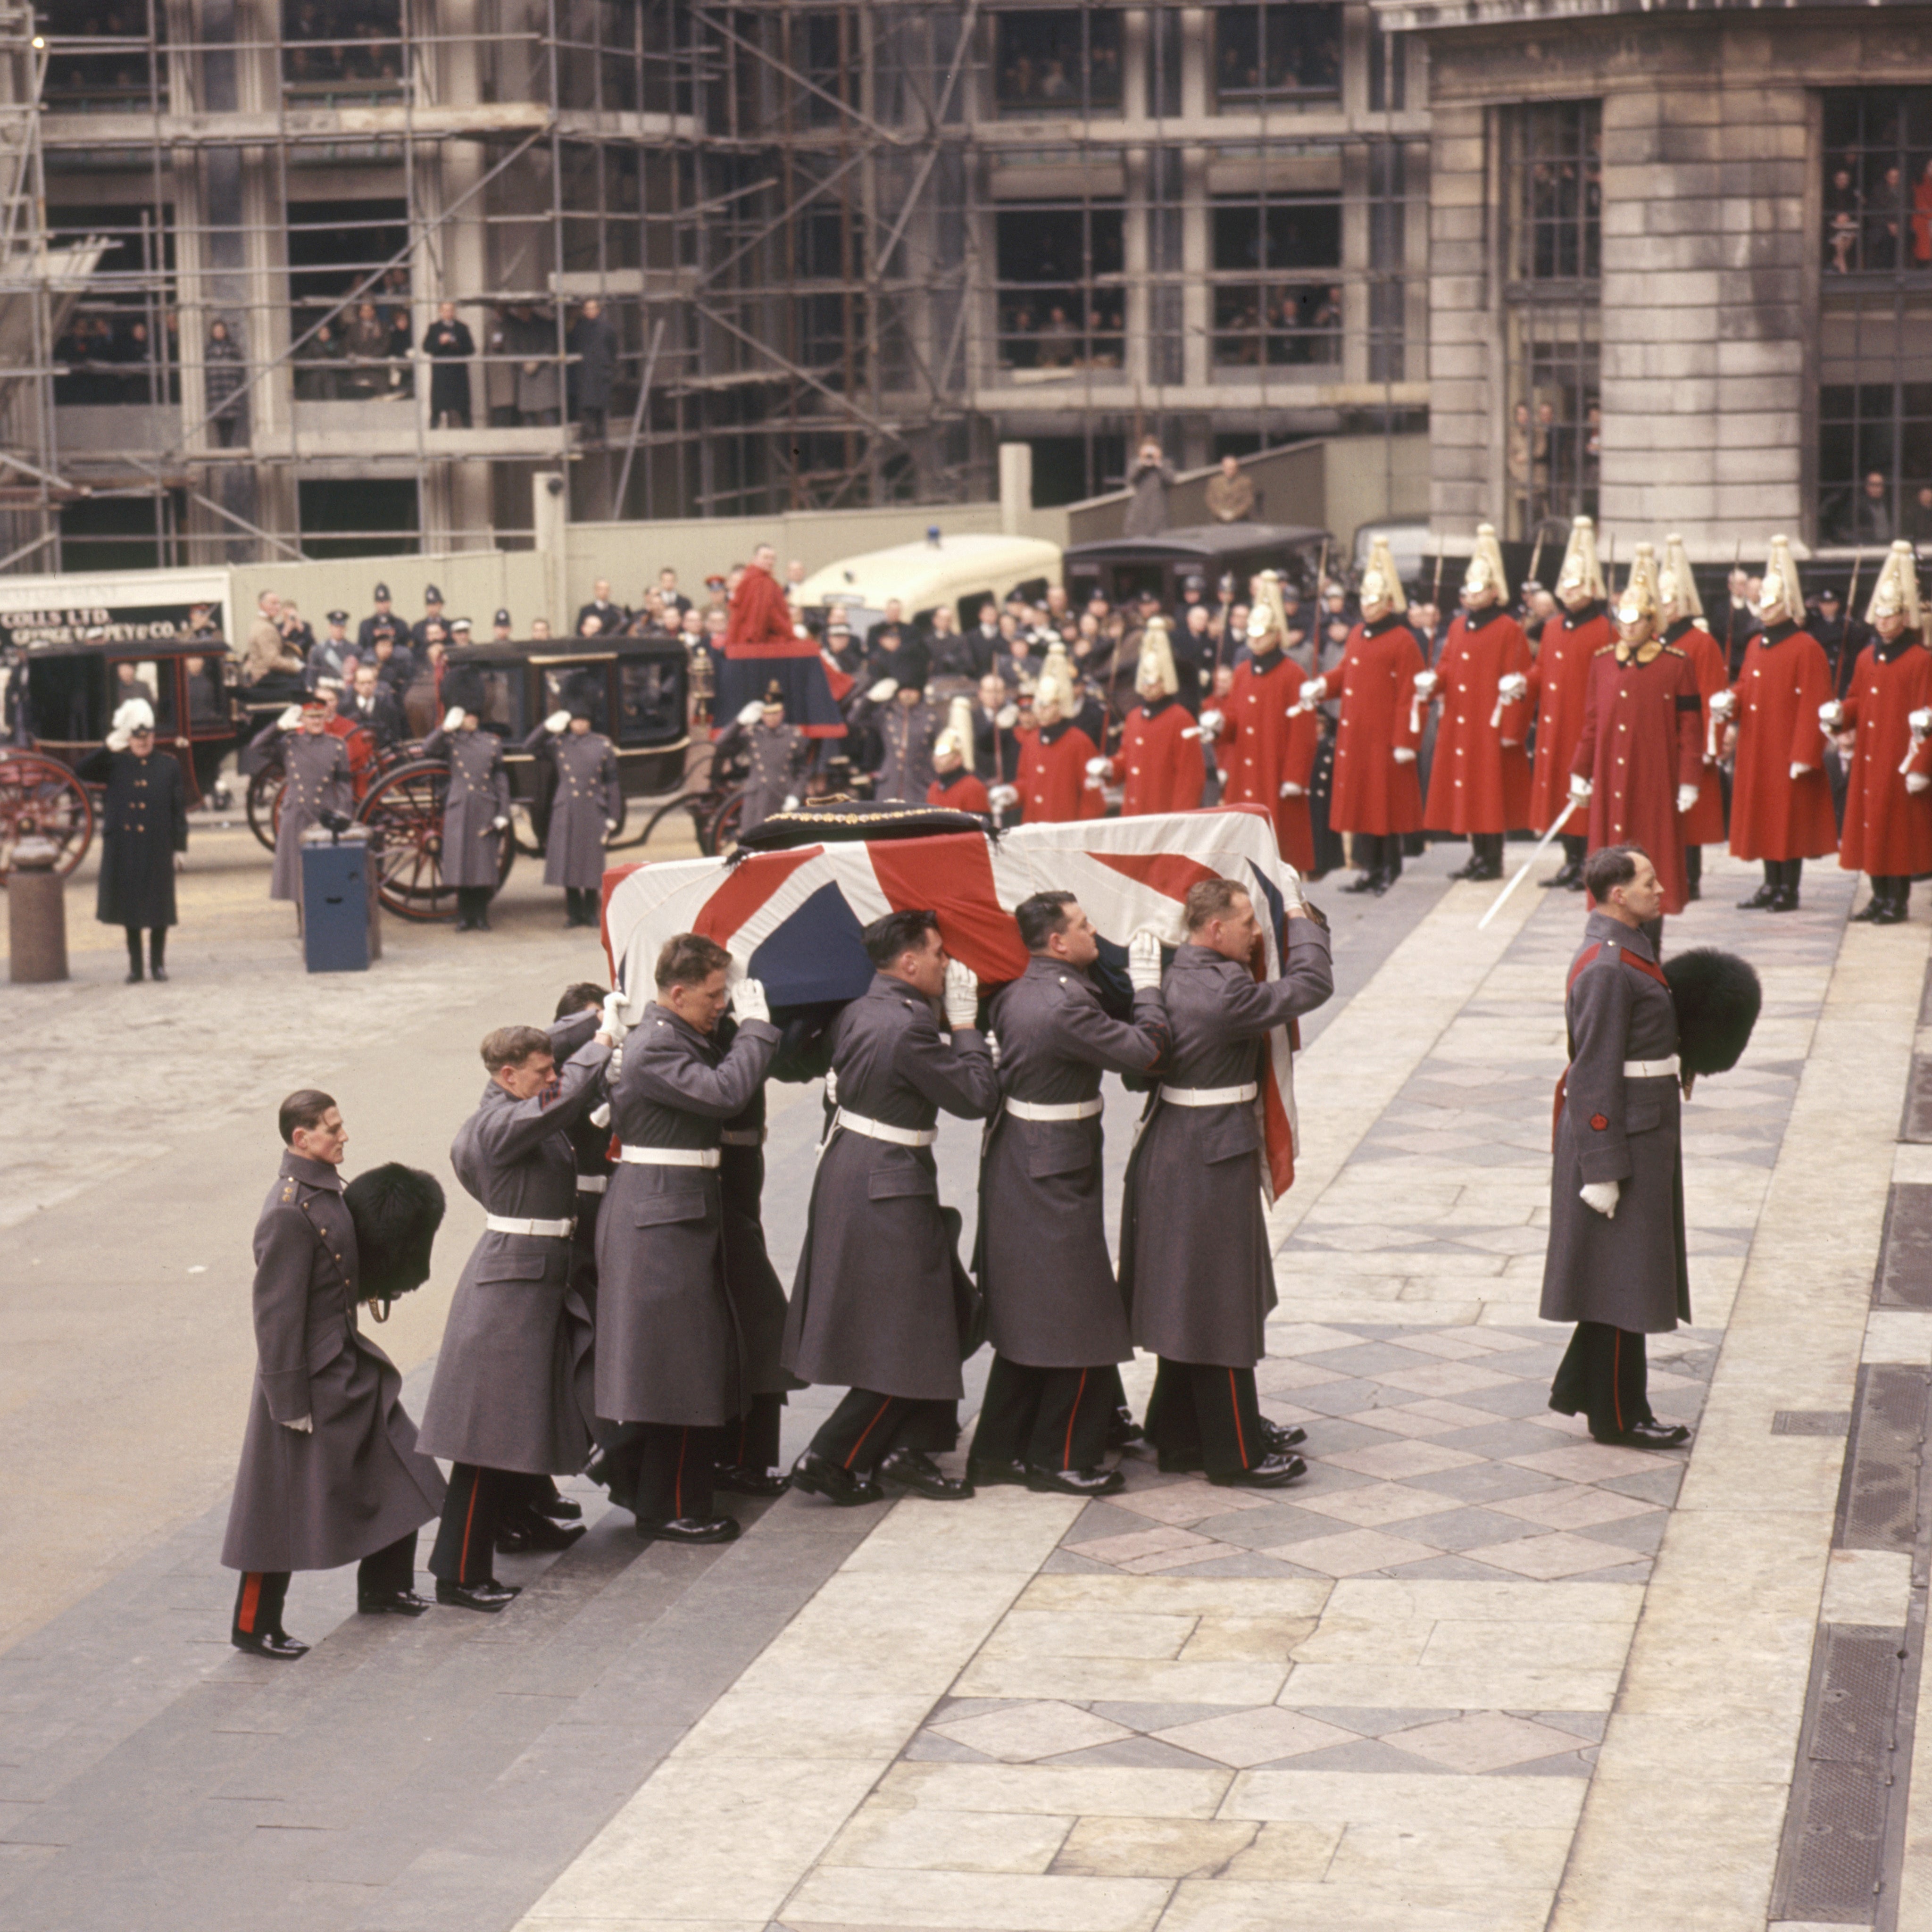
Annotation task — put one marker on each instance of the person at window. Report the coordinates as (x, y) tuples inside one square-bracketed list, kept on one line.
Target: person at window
[(592, 341), (1843, 212), (1885, 221), (1231, 495), (367, 349), (1059, 341), (449, 345), (1918, 517), (1151, 478), (222, 381), (1871, 510)]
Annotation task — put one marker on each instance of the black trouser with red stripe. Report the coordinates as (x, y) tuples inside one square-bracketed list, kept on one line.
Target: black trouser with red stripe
[(867, 1426), (751, 1442), (261, 1593), (1205, 1410), (1604, 1377), (1046, 1418), (662, 1471), (466, 1539)]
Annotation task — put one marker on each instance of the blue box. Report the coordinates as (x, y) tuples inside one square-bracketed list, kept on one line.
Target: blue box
[(335, 901)]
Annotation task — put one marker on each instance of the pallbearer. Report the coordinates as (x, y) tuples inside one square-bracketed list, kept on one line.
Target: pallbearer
[(1781, 798), (1682, 611), (1054, 1313), (1159, 766), (1376, 797), (1479, 782), (1888, 711), (1557, 681)]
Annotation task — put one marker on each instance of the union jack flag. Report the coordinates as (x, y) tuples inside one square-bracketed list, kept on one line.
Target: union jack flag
[(793, 920)]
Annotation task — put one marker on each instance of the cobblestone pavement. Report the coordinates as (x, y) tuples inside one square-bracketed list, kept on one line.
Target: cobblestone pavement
[(1475, 1672)]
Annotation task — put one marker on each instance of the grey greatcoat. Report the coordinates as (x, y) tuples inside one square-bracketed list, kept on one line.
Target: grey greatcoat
[(1628, 1270), (143, 824), (757, 1296), (1194, 1252), (668, 1348), (874, 1305), (778, 759), (1051, 1299), (358, 1482), (906, 733), (478, 795), (318, 782), (588, 796), (512, 1387)]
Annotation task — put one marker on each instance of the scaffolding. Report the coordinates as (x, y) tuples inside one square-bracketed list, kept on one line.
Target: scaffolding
[(838, 253)]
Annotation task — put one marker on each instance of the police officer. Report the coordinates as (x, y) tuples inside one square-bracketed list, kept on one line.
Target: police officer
[(143, 833)]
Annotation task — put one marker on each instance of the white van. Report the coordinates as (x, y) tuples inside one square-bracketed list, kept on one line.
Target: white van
[(962, 571)]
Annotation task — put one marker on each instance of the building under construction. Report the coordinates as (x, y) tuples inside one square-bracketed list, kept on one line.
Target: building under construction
[(703, 260)]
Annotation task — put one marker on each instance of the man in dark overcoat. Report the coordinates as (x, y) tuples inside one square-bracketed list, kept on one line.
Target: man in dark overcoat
[(330, 1473), (143, 832), (449, 345), (316, 765), (1194, 1259), (671, 1365), (877, 1303), (1615, 1264), (585, 809), (1054, 1312), (511, 1391), (476, 809)]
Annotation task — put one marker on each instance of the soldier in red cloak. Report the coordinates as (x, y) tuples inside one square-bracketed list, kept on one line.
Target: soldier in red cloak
[(953, 783), (1053, 782), (1159, 766), (1269, 729), (1682, 611), (1558, 681)]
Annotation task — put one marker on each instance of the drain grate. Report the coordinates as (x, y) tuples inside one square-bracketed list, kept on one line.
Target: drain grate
[(1878, 1496), (1811, 1422), (1905, 1259), (1917, 1126)]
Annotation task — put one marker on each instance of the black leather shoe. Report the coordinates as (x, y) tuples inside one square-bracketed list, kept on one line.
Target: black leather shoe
[(158, 972), (1890, 913), (1124, 1432), (135, 977), (1870, 911), (1652, 1435), (392, 1602), (990, 1475), (1271, 1472), (1758, 900), (1784, 901), (1364, 882), (488, 1595), (913, 1469), (1471, 869), (284, 1649), (816, 1475), (1076, 1482), (689, 1529), (559, 1509), (1380, 883), (1281, 1436), (532, 1532), (742, 1480)]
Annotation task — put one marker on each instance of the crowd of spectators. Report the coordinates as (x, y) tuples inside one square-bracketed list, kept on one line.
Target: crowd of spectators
[(1554, 463), (1878, 214)]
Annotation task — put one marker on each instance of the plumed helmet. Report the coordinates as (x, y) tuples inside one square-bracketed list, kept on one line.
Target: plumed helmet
[(1056, 682), (1717, 995), (1156, 667), (397, 1211), (1382, 583), (1269, 613), (1581, 570), (1676, 586), (957, 738), (1780, 585), (1486, 570), (1638, 598), (137, 714), (1896, 591)]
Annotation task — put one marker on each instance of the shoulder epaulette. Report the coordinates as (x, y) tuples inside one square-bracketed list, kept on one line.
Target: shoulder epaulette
[(1672, 651), (1601, 649)]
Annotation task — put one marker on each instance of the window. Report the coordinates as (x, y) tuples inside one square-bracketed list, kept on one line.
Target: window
[(118, 345), (342, 50), (1276, 53), (1877, 202), (1264, 311), (349, 300), (1051, 60), (371, 516), (1552, 203), (104, 58), (1062, 300)]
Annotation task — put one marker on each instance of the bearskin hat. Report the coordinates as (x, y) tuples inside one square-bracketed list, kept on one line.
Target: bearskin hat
[(397, 1211), (1717, 997)]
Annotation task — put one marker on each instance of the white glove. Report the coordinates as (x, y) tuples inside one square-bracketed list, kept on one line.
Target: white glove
[(499, 824), (1513, 686), (1921, 721), (884, 691), (1426, 681), (1798, 771), (748, 715), (117, 741), (832, 1086), (599, 1116), (962, 995), (291, 718), (452, 719), (614, 1022), (1006, 717), (1098, 769), (1831, 714), (557, 723), (790, 802), (1144, 962), (799, 631), (1916, 782), (1723, 703), (1291, 790), (609, 828), (1581, 787), (1313, 690), (1602, 1195), (1404, 754), (1212, 725), (1687, 796), (303, 1425), (747, 1001), (993, 1050), (1002, 798)]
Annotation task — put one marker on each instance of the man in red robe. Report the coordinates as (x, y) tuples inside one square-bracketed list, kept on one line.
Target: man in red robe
[(1886, 721), (1682, 611), (1053, 782), (953, 784), (764, 642), (1376, 796), (1158, 765), (1558, 680), (1638, 760), (1268, 735), (1479, 784), (1781, 798)]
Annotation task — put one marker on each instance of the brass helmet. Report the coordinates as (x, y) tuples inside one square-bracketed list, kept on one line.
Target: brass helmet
[(1897, 589), (957, 736), (1676, 586), (1380, 582), (1056, 683), (1486, 570), (1638, 599), (1780, 585), (1156, 667), (1268, 613), (1581, 569)]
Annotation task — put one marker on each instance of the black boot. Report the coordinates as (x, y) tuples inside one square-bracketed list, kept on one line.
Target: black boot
[(1893, 901), (134, 972), (1760, 900), (1786, 898), (1486, 861), (1693, 872), (158, 953), (1868, 913)]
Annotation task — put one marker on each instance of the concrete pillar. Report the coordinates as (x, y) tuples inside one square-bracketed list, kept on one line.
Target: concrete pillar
[(550, 518), (1015, 487)]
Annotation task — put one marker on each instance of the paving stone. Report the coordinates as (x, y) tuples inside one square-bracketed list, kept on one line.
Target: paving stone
[(1463, 1529), (1484, 1741), (1263, 1735), (1452, 1569), (1134, 1753), (1370, 1754), (1371, 1722), (1023, 1732), (1355, 1552), (1266, 1528), (1367, 1358)]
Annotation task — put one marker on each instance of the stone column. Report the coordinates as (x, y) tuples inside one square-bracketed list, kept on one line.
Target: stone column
[(1466, 484)]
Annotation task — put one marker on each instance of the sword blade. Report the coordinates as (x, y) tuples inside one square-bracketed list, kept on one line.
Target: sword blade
[(1542, 845)]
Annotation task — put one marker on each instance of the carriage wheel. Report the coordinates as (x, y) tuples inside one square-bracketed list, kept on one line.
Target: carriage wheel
[(674, 831), (40, 798), (719, 834), (405, 805), (265, 802)]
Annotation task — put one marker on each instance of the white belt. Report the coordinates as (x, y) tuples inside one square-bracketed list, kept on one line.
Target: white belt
[(857, 1124), (742, 1137), (508, 1224), (1057, 1110), (1210, 1096), (1651, 1069), (593, 1183), (644, 1156)]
